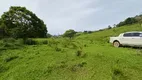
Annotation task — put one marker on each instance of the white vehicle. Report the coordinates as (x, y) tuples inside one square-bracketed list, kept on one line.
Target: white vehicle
[(127, 39)]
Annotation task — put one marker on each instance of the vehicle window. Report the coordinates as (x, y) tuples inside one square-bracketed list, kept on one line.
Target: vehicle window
[(141, 35), (136, 34), (128, 35)]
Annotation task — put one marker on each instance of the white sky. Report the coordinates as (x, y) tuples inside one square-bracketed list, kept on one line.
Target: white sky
[(80, 15)]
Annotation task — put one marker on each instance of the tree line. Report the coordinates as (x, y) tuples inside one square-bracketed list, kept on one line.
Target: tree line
[(131, 20)]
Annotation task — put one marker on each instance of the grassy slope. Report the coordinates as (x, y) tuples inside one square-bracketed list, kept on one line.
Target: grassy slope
[(98, 60)]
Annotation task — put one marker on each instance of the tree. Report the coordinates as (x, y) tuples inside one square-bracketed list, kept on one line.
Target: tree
[(130, 21), (19, 22), (109, 27), (114, 25), (139, 19), (48, 35), (120, 24), (69, 33)]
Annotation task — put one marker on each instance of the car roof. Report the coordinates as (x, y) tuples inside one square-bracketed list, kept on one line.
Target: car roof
[(135, 32)]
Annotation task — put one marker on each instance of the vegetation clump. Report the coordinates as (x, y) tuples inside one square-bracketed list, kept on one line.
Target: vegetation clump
[(8, 59), (30, 41)]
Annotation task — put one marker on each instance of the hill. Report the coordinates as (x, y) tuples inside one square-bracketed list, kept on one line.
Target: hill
[(86, 57)]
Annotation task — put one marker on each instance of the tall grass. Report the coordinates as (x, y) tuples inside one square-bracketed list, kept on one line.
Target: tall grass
[(86, 57)]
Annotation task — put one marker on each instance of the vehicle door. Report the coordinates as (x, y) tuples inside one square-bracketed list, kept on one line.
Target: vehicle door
[(137, 39), (127, 39)]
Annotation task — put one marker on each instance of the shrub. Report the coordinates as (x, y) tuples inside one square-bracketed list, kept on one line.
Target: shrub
[(76, 67), (53, 42), (30, 42), (7, 45), (10, 43), (10, 40), (85, 45), (79, 53), (45, 42), (69, 33), (58, 49), (82, 64)]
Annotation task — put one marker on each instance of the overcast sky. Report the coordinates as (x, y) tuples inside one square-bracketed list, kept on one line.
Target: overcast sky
[(80, 15)]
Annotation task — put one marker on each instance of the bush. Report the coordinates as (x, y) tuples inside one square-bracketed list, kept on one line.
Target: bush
[(7, 45), (69, 33), (10, 40), (10, 43), (53, 42), (58, 49), (30, 42), (45, 42), (81, 53)]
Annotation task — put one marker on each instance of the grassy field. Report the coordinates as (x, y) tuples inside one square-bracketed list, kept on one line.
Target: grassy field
[(86, 57)]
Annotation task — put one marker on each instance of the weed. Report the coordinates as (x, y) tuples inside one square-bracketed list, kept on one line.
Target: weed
[(49, 69), (75, 67), (139, 53), (8, 59), (79, 53), (81, 64), (85, 45), (74, 45), (118, 73), (2, 68), (58, 49)]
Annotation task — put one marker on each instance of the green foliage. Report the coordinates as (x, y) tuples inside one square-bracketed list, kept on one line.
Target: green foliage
[(1, 33), (49, 35), (45, 42), (57, 49), (10, 43), (69, 33), (79, 53), (8, 59), (2, 68), (19, 22), (109, 27), (128, 21), (85, 57), (30, 41)]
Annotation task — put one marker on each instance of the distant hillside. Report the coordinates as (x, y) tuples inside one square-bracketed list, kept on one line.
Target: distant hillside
[(129, 24), (103, 35)]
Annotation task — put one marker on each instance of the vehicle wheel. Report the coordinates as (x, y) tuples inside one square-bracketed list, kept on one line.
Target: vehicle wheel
[(116, 44)]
